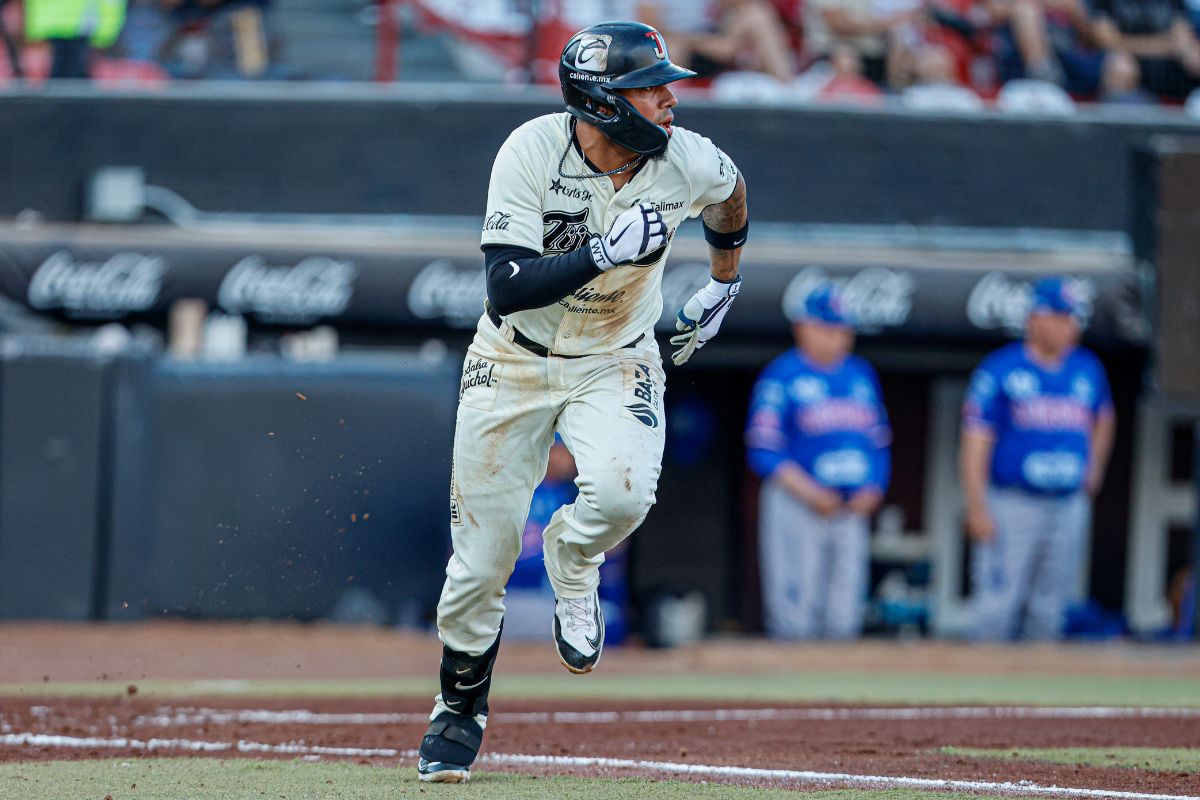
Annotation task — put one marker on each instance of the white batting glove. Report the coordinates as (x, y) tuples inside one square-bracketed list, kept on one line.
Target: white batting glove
[(634, 234), (700, 318)]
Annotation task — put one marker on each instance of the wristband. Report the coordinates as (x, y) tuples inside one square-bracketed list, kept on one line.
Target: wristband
[(726, 241)]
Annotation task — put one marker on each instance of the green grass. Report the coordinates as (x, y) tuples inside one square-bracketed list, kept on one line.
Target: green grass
[(210, 779), (789, 687), (1158, 759)]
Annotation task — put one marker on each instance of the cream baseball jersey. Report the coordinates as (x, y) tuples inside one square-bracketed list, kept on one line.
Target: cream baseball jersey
[(531, 205)]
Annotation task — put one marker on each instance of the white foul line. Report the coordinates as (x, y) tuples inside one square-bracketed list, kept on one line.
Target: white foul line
[(150, 745), (1007, 787), (299, 748), (167, 716)]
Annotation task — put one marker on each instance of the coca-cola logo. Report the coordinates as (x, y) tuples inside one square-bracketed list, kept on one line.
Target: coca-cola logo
[(442, 290), (998, 301), (875, 297), (316, 287), (122, 283)]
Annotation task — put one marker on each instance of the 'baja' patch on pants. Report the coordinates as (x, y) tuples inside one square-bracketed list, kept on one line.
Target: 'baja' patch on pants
[(642, 397)]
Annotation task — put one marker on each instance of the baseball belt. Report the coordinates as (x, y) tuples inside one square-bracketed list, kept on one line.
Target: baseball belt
[(532, 346)]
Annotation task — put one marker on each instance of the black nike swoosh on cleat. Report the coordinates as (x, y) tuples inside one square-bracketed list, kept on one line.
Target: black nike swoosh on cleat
[(595, 643), (612, 240)]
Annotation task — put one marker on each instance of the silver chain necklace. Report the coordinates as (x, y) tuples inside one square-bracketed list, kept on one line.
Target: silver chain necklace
[(563, 160)]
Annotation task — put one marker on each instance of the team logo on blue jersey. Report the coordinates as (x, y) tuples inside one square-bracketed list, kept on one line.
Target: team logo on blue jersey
[(809, 389), (1021, 383)]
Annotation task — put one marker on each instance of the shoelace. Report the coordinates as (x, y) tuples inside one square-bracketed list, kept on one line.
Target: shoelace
[(579, 612)]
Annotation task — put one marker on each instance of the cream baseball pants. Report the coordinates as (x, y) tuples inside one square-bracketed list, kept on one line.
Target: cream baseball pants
[(608, 410)]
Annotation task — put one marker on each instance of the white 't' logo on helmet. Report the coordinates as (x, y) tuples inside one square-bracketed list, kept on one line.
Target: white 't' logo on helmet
[(592, 53)]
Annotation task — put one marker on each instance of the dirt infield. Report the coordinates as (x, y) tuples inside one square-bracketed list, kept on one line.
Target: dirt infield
[(829, 739), (74, 729)]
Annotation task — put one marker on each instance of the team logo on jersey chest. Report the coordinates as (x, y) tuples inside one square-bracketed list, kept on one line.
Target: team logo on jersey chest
[(1021, 384), (807, 389), (564, 231)]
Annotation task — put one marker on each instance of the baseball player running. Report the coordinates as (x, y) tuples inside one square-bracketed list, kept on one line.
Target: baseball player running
[(1038, 427), (818, 434), (581, 210)]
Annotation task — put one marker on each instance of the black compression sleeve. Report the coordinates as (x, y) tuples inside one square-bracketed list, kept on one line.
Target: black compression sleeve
[(519, 279)]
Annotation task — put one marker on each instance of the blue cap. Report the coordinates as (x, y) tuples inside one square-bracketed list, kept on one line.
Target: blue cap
[(823, 304), (1057, 295)]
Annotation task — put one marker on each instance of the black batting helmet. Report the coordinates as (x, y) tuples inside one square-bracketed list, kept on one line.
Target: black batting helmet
[(617, 55)]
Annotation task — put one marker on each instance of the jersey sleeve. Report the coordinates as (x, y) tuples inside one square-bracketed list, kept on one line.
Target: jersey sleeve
[(766, 428), (1103, 402), (712, 174), (514, 204), (981, 407), (881, 435)]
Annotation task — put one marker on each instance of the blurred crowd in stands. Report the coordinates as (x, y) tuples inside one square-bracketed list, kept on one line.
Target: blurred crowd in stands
[(141, 42), (945, 55)]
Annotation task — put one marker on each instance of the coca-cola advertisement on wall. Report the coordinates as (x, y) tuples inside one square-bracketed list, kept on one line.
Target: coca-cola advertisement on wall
[(316, 287), (87, 276), (119, 284)]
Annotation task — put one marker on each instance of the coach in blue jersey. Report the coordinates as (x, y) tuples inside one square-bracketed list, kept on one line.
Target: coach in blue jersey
[(1038, 428), (818, 435)]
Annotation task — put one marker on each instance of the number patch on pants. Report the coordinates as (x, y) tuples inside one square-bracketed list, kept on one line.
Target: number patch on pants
[(643, 400), (455, 512)]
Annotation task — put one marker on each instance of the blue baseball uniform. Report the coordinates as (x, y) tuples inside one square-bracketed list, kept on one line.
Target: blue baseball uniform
[(1041, 418), (831, 422)]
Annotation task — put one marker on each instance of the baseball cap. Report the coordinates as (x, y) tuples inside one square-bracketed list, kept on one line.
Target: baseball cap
[(1057, 295), (823, 304)]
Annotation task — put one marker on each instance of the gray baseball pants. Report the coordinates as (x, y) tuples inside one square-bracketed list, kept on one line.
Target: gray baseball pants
[(1023, 579), (814, 568)]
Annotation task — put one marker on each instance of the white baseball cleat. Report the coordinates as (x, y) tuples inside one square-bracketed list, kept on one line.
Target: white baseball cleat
[(578, 632)]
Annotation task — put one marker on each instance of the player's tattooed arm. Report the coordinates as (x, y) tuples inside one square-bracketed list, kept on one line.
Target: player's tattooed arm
[(726, 225), (730, 217)]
